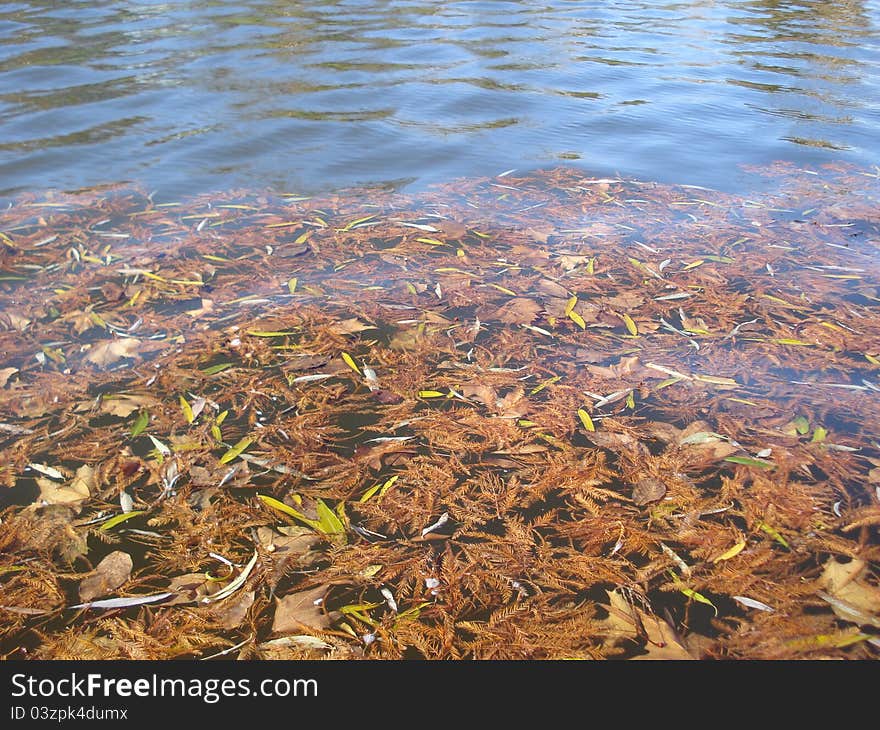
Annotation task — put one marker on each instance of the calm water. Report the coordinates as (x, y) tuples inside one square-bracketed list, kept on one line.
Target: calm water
[(309, 96)]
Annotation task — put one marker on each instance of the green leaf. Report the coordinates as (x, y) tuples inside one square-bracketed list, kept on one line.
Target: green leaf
[(819, 435), (119, 519), (236, 450), (289, 511), (699, 597), (328, 522), (219, 368), (140, 423), (774, 533), (747, 461), (801, 425)]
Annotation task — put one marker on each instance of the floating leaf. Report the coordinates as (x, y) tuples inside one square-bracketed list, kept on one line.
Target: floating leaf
[(119, 519), (700, 598), (774, 533), (630, 325), (752, 603), (351, 363), (731, 553), (236, 450), (112, 572), (187, 410), (328, 522), (290, 511), (140, 423), (748, 461), (125, 602), (586, 420)]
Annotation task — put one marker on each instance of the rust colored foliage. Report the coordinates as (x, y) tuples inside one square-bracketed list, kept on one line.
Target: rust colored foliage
[(527, 417)]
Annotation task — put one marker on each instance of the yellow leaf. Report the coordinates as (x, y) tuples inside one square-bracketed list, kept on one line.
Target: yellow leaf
[(236, 450), (187, 410), (630, 325), (431, 394), (586, 420), (577, 319), (350, 362), (291, 285), (694, 264), (570, 305), (732, 552)]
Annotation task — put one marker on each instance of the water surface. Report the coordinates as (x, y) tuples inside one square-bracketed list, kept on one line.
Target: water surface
[(308, 96)]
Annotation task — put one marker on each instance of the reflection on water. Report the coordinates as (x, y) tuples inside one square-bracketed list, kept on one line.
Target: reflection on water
[(205, 95)]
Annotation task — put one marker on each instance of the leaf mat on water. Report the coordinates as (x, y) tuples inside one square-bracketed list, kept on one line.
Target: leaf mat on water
[(513, 384)]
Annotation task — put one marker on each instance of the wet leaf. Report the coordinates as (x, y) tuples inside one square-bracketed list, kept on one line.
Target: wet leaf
[(140, 423), (731, 553), (302, 610), (586, 420), (112, 351), (111, 573), (119, 519), (236, 450), (648, 490)]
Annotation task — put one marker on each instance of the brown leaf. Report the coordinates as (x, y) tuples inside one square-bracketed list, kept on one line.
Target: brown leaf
[(628, 622), (106, 353), (648, 490), (80, 488), (305, 362), (856, 599), (301, 610), (110, 574), (519, 310), (233, 610), (552, 289), (123, 405), (349, 326), (485, 394), (5, 375)]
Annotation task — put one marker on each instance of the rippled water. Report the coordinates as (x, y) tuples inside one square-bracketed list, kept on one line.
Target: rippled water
[(306, 96)]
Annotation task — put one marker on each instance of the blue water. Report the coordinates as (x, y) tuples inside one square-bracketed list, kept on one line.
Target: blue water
[(190, 97)]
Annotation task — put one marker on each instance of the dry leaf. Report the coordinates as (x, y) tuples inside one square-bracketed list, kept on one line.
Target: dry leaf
[(110, 574)]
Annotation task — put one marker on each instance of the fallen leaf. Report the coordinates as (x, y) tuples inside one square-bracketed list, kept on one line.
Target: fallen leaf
[(349, 326), (5, 375), (628, 622), (80, 487), (109, 574), (856, 600), (230, 613), (518, 310), (111, 351), (301, 610), (648, 490)]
